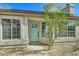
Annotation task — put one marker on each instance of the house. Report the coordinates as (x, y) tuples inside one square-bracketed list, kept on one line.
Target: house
[(21, 27)]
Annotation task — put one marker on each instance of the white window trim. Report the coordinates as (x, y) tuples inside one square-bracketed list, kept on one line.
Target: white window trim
[(12, 31), (11, 17)]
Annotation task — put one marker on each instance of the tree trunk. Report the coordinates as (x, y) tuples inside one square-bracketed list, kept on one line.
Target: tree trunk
[(51, 39)]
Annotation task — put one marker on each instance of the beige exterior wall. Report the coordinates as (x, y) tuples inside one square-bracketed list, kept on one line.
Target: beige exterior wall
[(64, 39), (77, 31), (25, 32)]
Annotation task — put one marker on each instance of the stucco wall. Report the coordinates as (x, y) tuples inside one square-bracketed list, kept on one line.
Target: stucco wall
[(64, 39), (59, 39)]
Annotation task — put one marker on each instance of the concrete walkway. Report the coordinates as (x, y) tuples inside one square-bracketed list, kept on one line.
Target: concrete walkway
[(36, 47)]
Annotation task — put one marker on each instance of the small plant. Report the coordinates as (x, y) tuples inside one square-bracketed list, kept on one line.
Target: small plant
[(54, 20)]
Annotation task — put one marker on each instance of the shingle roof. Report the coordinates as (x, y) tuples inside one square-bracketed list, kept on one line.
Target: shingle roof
[(21, 11), (32, 12)]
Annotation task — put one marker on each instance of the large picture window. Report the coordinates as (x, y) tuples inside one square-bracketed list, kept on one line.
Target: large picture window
[(10, 29), (69, 31)]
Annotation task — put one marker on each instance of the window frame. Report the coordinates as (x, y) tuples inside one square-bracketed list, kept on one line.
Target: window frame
[(11, 29), (45, 32), (67, 32)]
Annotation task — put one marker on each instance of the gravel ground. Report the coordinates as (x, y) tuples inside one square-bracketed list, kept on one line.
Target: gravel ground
[(32, 50)]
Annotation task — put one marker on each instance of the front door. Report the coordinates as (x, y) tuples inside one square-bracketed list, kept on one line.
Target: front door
[(34, 31)]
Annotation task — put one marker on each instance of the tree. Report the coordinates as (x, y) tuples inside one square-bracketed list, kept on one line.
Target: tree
[(55, 20)]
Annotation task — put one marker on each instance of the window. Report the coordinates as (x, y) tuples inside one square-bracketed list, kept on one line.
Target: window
[(16, 29), (69, 31), (6, 27), (10, 29), (45, 32), (34, 25)]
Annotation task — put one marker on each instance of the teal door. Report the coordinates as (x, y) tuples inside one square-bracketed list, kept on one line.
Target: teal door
[(34, 31)]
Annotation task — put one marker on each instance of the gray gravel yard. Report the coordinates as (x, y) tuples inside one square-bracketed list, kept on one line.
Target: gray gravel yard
[(70, 49)]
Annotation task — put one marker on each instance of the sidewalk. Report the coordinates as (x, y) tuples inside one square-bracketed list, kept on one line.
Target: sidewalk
[(35, 48)]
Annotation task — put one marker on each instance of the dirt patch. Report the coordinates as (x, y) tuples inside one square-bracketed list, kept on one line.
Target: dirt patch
[(69, 49)]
